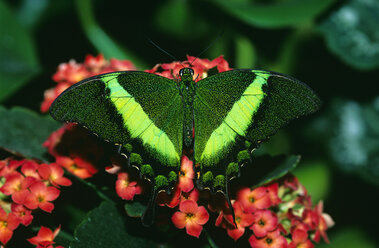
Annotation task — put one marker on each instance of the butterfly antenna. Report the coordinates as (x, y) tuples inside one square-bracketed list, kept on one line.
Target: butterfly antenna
[(162, 50), (209, 46)]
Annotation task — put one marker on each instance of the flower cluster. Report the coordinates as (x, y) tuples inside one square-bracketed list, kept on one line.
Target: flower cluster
[(75, 149), (200, 67), (73, 72), (26, 186), (279, 214)]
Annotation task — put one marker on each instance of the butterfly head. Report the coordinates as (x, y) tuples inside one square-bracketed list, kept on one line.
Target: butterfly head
[(186, 74)]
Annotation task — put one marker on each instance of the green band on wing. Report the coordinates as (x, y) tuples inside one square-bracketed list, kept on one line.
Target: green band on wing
[(238, 119), (138, 123)]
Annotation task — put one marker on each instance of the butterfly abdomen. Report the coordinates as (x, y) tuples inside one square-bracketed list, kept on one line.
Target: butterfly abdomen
[(187, 98)]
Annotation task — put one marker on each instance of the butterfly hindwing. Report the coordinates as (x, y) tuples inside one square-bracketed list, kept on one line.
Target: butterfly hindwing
[(239, 105), (123, 107)]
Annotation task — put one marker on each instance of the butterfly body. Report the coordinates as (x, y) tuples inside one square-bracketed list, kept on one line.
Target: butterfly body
[(187, 91)]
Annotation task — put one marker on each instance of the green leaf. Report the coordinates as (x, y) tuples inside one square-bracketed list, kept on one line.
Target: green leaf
[(135, 209), (351, 32), (23, 131), (311, 174), (265, 169), (99, 38), (106, 227), (276, 15), (349, 238), (18, 61)]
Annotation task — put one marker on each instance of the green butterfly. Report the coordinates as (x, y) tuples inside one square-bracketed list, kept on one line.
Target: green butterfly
[(209, 120)]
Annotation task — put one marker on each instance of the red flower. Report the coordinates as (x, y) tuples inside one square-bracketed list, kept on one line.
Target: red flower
[(200, 67), (71, 72), (95, 64), (318, 221), (186, 175), (170, 200), (126, 189), (77, 166), (76, 150), (272, 191), (191, 216), (264, 221), (253, 199), (45, 237), (121, 65), (7, 224), (242, 220), (29, 168), (300, 239), (272, 240), (192, 195), (51, 94), (54, 174), (16, 185), (8, 166), (41, 196), (24, 215)]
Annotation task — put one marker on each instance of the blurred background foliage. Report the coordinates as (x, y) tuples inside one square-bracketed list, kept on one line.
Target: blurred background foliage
[(331, 45)]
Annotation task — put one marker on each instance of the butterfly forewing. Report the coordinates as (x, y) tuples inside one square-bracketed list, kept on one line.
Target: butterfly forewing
[(239, 105), (128, 106)]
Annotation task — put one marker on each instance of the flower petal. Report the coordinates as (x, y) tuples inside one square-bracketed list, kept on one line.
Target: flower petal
[(179, 219), (188, 206), (193, 229)]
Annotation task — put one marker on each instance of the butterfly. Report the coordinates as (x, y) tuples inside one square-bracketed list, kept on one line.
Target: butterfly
[(211, 121)]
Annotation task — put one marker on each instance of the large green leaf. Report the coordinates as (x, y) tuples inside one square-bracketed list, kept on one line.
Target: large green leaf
[(275, 15), (18, 61), (23, 131), (106, 227), (352, 33)]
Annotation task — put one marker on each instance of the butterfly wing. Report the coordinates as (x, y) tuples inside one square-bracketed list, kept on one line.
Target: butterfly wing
[(124, 107), (239, 105)]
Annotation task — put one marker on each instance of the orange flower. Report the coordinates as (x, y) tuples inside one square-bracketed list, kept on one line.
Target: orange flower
[(24, 215), (300, 239), (16, 185), (264, 221), (8, 222), (54, 174), (200, 67), (45, 237), (126, 189), (272, 240), (73, 72), (253, 199), (29, 168), (76, 150), (41, 196), (242, 220), (191, 216), (186, 175)]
